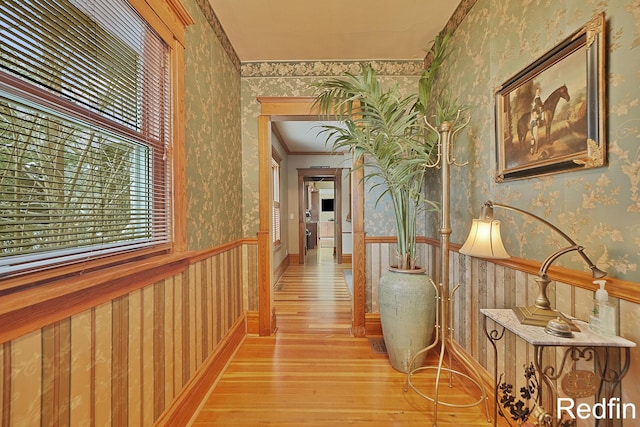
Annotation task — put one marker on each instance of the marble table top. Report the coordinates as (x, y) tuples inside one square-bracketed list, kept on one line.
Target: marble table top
[(537, 336)]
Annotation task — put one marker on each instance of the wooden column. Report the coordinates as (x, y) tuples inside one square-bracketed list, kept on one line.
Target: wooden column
[(359, 251), (266, 316)]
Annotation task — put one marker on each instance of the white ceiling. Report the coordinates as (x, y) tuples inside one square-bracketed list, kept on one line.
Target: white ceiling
[(325, 30), (296, 30), (303, 136)]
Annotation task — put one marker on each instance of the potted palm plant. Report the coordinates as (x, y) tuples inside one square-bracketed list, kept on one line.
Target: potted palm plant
[(388, 133)]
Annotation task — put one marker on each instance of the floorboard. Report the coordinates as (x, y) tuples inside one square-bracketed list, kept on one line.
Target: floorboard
[(312, 372)]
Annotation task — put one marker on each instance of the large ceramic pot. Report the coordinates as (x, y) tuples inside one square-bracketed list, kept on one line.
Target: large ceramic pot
[(407, 301)]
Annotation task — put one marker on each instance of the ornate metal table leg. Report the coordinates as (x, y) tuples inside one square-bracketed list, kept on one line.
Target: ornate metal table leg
[(610, 377), (494, 336)]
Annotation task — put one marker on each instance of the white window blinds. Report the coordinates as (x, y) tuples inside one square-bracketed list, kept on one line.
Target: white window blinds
[(276, 219), (84, 133)]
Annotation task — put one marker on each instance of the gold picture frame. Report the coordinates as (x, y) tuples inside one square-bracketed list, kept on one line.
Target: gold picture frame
[(550, 117)]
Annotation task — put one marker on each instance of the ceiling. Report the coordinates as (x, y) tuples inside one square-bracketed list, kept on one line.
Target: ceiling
[(329, 30), (303, 135)]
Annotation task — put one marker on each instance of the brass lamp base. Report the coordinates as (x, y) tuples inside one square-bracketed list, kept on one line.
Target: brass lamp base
[(537, 316)]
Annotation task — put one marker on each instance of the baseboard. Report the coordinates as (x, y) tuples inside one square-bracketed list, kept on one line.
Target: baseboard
[(294, 258), (486, 379), (252, 322), (281, 268), (485, 376), (372, 324), (187, 403)]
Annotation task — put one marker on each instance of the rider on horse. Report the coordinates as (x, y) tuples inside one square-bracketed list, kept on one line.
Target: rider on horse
[(537, 118)]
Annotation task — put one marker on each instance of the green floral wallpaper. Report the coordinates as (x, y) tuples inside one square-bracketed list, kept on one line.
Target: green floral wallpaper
[(496, 39), (213, 149), (600, 207)]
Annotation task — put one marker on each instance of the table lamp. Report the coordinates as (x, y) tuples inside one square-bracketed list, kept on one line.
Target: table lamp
[(485, 241)]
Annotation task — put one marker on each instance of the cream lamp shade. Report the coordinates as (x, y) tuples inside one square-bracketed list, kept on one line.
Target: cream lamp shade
[(484, 240)]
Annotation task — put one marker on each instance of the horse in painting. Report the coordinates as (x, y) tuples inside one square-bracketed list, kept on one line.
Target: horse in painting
[(548, 112)]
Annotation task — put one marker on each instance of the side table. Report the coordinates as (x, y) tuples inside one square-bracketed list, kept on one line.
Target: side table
[(584, 345)]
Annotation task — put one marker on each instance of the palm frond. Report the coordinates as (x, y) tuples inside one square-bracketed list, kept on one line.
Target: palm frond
[(387, 131)]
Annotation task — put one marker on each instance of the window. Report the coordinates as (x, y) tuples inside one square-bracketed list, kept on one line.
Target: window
[(275, 215), (84, 133)]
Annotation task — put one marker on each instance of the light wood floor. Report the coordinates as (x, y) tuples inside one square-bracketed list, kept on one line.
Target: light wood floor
[(313, 373)]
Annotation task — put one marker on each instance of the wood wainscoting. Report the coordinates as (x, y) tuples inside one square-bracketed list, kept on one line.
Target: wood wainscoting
[(196, 390), (125, 346)]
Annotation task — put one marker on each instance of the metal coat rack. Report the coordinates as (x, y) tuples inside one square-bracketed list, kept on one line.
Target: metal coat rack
[(444, 323)]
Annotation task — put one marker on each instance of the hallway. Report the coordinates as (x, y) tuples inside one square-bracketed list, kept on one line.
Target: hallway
[(313, 298), (313, 373)]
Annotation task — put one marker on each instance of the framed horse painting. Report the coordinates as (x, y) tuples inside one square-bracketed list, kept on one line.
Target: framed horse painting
[(550, 116)]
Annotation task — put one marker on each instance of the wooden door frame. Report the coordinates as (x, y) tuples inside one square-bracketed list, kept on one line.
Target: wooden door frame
[(301, 106), (335, 174)]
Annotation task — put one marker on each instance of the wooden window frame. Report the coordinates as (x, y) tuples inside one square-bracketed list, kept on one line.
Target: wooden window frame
[(31, 301)]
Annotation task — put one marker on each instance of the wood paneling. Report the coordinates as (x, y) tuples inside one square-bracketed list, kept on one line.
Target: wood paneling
[(188, 401), (127, 360)]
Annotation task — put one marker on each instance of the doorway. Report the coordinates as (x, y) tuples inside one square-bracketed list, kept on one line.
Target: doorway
[(320, 219), (302, 106), (319, 211)]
